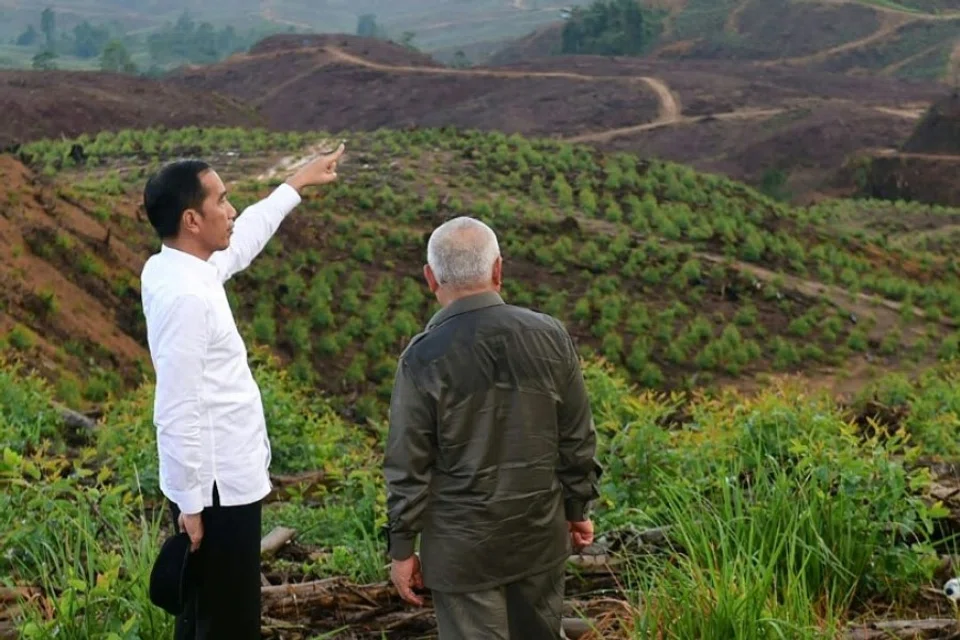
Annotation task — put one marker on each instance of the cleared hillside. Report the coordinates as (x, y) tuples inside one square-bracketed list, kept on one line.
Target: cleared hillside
[(63, 103), (906, 39), (770, 124), (649, 106)]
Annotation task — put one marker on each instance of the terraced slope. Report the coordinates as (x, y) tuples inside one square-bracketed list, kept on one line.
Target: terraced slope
[(680, 279)]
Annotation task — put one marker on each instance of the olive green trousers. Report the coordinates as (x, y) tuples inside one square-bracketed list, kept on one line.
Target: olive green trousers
[(529, 609)]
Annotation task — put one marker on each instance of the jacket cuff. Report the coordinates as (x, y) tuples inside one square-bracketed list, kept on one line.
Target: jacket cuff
[(401, 546), (575, 510)]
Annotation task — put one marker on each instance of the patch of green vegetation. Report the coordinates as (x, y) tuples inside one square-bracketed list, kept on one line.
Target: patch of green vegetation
[(931, 66), (612, 28), (773, 502)]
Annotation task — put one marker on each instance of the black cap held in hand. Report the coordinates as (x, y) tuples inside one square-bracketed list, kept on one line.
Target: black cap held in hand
[(173, 575)]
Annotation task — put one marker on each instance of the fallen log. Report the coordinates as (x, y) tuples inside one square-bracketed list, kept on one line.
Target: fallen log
[(280, 601), (600, 563), (377, 608), (278, 537), (286, 600), (939, 628)]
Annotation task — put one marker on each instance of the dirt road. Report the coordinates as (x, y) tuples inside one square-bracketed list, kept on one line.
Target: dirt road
[(670, 110), (890, 24)]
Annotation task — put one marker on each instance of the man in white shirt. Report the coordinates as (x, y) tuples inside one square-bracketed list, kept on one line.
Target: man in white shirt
[(211, 434)]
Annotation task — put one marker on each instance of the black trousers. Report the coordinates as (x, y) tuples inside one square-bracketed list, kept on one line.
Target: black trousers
[(529, 609), (226, 602)]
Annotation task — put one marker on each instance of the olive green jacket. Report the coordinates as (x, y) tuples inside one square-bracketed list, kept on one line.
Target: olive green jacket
[(491, 446)]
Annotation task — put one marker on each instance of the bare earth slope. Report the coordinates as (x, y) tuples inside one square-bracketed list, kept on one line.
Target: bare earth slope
[(733, 117), (717, 115), (911, 40), (57, 252), (54, 103)]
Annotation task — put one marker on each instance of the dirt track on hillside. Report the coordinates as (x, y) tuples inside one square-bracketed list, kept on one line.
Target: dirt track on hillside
[(670, 109), (915, 15), (890, 25)]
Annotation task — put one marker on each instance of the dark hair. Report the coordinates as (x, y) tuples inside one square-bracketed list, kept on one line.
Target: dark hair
[(170, 192)]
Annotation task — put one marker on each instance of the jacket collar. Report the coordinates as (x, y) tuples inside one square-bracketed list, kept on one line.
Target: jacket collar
[(465, 305)]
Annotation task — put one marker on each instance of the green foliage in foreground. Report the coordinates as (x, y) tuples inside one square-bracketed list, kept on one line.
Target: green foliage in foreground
[(785, 518)]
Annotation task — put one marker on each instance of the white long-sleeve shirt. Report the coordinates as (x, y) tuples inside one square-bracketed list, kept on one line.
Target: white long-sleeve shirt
[(208, 411)]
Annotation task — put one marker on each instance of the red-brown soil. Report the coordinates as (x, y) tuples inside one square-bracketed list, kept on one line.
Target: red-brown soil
[(54, 103), (927, 178), (48, 243)]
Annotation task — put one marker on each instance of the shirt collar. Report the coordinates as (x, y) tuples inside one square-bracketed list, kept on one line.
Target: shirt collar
[(190, 261), (464, 305)]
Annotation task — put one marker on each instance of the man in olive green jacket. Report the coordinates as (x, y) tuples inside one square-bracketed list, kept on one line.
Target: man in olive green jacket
[(490, 456)]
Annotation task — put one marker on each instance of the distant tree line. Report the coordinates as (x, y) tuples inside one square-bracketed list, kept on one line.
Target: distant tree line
[(197, 43), (611, 27), (185, 41)]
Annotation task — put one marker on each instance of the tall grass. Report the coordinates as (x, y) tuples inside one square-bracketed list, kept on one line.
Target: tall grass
[(778, 555), (783, 528), (784, 518), (88, 545)]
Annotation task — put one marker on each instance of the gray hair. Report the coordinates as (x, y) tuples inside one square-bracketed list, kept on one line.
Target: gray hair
[(461, 252)]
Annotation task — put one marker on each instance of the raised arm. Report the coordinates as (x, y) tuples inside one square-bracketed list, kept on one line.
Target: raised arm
[(179, 340), (253, 230), (260, 221)]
